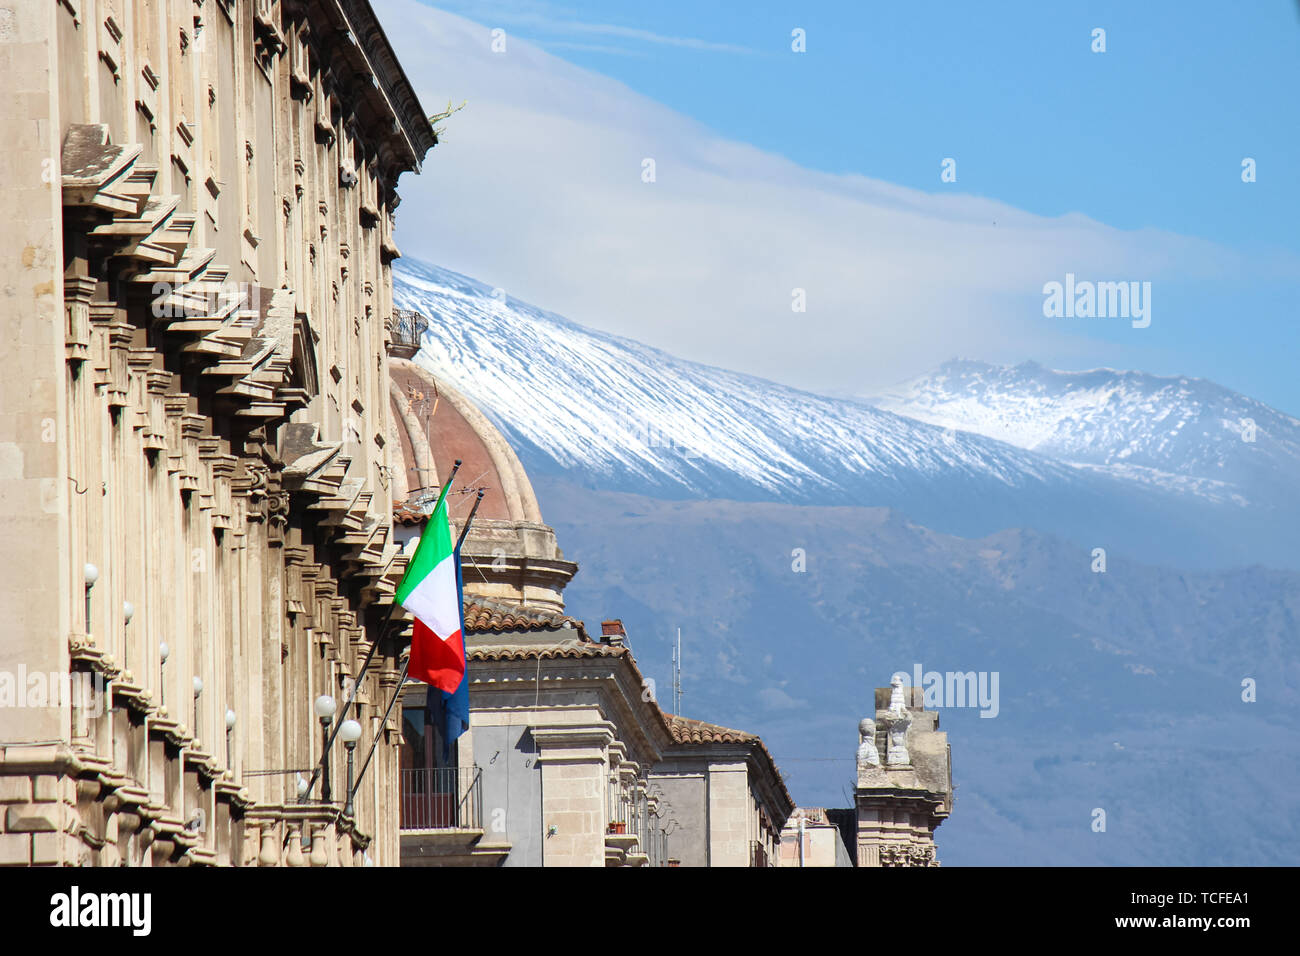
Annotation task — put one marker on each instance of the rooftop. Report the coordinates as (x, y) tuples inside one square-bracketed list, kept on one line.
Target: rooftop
[(494, 617), (687, 731)]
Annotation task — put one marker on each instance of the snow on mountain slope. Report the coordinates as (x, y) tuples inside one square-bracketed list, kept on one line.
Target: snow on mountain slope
[(609, 429), (1131, 423), (612, 413), (616, 407)]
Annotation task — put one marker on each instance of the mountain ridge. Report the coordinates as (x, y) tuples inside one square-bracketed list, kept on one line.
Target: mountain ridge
[(1116, 688), (1119, 688), (617, 414), (1106, 417)]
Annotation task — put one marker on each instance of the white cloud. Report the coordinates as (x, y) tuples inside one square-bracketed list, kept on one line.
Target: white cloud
[(537, 189), (776, 699), (556, 19), (629, 33)]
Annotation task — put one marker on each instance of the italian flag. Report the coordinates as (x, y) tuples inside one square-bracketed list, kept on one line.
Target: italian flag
[(429, 591)]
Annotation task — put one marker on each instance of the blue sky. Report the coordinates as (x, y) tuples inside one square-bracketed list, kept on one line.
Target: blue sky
[(1150, 134)]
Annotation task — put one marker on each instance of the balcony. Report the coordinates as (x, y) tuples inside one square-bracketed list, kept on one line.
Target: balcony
[(407, 329), (442, 798), (634, 835), (442, 819)]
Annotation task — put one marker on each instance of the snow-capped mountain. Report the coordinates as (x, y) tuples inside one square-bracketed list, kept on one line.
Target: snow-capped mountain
[(1169, 429), (682, 489), (615, 407), (613, 413)]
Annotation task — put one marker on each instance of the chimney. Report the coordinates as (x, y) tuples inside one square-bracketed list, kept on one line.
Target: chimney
[(612, 633)]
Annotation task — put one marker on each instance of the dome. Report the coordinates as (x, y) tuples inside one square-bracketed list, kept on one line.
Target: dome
[(510, 554)]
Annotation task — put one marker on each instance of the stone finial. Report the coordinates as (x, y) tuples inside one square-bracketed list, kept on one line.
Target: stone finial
[(897, 723), (896, 728), (897, 698), (868, 755)]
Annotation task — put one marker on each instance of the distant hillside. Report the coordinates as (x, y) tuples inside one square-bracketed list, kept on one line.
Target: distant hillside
[(951, 525), (1120, 690)]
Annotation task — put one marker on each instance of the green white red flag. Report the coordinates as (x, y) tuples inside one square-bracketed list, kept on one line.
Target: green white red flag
[(429, 590)]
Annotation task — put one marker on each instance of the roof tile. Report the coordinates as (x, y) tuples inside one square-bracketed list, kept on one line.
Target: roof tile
[(688, 731), (685, 730), (493, 617)]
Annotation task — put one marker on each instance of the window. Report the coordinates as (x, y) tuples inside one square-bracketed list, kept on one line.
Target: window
[(422, 742)]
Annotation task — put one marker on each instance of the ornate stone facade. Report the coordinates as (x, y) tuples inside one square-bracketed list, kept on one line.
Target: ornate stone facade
[(194, 426), (901, 802)]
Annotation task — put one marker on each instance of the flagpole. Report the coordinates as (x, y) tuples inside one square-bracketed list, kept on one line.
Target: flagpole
[(402, 680), (469, 521), (371, 752), (356, 684)]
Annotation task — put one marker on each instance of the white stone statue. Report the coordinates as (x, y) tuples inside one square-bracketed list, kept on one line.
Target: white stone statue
[(868, 755), (897, 698), (897, 754), (897, 723)]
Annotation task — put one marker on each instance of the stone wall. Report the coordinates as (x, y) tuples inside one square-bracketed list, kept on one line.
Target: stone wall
[(591, 736), (716, 809), (196, 403)]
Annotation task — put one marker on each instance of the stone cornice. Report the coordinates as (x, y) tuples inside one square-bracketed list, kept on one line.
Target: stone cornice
[(53, 757), (924, 801), (83, 650), (766, 777), (366, 37), (558, 744), (613, 679), (233, 792)]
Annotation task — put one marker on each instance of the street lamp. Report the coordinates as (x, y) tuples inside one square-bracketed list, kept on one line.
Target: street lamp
[(230, 729), (198, 689), (349, 733), (90, 574), (325, 707), (163, 651)]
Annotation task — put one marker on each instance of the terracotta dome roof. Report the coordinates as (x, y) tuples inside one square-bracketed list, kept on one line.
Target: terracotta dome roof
[(509, 553), (435, 425)]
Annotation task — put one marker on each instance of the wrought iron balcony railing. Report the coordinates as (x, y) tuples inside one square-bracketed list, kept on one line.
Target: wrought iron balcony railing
[(442, 798), (616, 805), (408, 328)]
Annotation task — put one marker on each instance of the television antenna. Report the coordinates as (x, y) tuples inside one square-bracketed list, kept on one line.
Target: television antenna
[(677, 675)]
